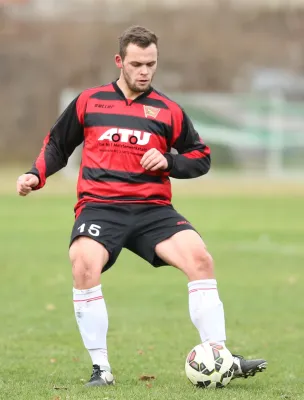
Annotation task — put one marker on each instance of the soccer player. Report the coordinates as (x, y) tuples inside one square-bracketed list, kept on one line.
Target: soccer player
[(124, 195)]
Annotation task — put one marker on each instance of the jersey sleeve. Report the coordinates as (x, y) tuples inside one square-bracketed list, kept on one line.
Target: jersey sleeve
[(61, 141), (193, 158)]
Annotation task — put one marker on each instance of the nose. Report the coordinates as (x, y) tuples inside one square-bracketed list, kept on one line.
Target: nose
[(144, 70)]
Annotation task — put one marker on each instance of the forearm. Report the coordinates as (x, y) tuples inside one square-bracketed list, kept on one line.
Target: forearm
[(49, 161), (182, 167)]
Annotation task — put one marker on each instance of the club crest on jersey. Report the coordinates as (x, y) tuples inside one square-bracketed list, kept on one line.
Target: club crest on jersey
[(151, 111), (126, 136)]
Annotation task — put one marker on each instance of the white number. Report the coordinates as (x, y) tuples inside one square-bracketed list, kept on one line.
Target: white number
[(93, 230), (81, 228)]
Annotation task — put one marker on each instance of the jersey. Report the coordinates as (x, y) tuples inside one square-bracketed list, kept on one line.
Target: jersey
[(116, 132)]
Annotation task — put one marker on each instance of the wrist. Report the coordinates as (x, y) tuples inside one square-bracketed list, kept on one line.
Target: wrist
[(169, 158)]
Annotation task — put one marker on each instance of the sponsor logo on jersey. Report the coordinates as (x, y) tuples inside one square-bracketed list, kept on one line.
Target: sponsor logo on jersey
[(126, 136)]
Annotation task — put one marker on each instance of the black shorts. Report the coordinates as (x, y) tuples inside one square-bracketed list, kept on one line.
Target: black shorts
[(137, 227)]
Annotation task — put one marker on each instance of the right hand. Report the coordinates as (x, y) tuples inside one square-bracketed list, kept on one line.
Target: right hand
[(25, 184)]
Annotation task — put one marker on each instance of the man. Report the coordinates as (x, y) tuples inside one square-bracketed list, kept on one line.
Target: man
[(124, 195)]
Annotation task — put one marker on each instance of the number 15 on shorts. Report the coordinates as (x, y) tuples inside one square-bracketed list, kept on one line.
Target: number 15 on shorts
[(93, 229)]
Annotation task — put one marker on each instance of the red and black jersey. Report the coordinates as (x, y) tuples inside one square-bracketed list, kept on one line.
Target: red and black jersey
[(116, 132)]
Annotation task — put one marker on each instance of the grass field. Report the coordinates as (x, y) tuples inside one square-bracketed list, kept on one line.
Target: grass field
[(257, 244)]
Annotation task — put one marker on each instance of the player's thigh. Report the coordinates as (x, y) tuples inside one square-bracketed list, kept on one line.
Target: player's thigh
[(184, 250), (158, 224)]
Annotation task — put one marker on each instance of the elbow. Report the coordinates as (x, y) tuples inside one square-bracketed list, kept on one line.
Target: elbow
[(205, 165)]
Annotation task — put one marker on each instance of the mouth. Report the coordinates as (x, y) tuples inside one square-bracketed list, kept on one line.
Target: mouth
[(143, 81)]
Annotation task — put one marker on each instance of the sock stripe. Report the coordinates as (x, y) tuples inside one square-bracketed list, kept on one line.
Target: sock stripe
[(196, 290), (95, 298), (91, 299)]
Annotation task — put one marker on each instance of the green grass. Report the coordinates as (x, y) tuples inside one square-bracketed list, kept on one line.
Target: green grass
[(258, 248)]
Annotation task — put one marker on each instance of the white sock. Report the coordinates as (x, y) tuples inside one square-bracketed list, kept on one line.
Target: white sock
[(206, 310), (92, 319)]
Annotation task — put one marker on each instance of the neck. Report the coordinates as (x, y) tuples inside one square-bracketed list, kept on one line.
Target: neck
[(128, 93)]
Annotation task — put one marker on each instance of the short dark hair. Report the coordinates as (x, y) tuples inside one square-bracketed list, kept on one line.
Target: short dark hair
[(138, 35)]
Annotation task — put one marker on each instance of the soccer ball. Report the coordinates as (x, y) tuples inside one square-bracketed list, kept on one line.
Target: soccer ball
[(209, 365)]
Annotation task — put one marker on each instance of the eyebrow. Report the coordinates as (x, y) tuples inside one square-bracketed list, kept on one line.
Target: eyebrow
[(140, 63)]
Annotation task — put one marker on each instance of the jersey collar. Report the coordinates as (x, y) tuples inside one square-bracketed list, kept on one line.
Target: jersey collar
[(119, 91)]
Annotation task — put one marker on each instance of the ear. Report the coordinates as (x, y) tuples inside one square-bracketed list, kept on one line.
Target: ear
[(118, 61)]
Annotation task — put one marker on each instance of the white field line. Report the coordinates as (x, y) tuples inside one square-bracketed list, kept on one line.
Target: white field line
[(267, 247)]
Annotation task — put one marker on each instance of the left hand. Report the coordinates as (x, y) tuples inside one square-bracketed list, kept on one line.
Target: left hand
[(153, 160)]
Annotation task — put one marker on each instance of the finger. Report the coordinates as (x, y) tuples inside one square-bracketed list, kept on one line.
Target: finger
[(149, 160), (19, 184), (21, 178), (19, 187), (32, 181), (144, 158), (22, 193), (153, 157), (160, 165), (147, 155), (152, 163), (25, 189)]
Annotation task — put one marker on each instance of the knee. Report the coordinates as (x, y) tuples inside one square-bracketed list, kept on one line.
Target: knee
[(201, 265), (86, 273), (203, 262), (82, 272)]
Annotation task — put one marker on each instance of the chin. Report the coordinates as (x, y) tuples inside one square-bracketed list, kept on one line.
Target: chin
[(143, 88)]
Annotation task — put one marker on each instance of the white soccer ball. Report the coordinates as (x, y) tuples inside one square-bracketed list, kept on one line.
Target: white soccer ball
[(209, 365)]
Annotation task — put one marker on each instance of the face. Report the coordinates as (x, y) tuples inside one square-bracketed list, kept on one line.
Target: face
[(138, 67)]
